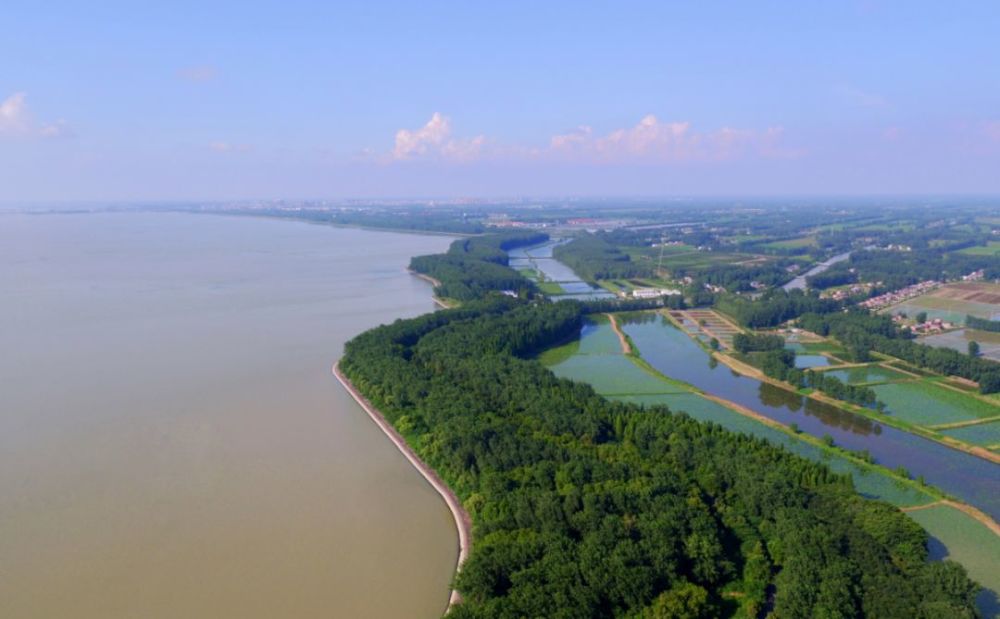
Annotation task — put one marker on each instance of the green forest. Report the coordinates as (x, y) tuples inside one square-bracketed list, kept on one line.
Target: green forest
[(476, 266), (584, 507)]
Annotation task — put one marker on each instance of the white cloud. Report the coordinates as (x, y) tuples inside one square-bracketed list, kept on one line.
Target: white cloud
[(649, 141), (654, 141), (14, 115), (571, 140), (434, 140), (16, 119), (198, 73)]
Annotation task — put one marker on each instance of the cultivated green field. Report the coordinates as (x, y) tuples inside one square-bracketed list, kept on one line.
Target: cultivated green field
[(964, 539), (924, 403), (950, 310), (824, 347), (805, 241), (990, 249)]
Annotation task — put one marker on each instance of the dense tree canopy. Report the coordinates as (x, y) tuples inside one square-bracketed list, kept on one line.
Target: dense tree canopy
[(475, 266), (584, 507), (593, 258), (774, 307)]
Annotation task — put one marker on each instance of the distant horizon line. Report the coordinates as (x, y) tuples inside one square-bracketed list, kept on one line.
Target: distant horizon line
[(494, 199)]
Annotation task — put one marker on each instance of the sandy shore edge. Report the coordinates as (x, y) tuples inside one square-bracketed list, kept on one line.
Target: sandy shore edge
[(462, 520)]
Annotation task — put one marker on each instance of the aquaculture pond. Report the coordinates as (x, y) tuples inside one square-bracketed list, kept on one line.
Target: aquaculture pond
[(673, 353), (985, 434), (957, 536), (928, 404), (539, 258), (865, 374), (811, 361)]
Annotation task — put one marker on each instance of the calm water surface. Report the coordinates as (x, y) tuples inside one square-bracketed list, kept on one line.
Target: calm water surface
[(172, 443)]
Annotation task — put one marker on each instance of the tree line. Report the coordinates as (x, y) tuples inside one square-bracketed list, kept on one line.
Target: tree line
[(982, 324)]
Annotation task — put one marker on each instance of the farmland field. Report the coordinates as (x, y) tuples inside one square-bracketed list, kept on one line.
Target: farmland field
[(867, 374), (927, 404), (805, 241), (699, 259), (990, 249), (960, 537), (954, 301)]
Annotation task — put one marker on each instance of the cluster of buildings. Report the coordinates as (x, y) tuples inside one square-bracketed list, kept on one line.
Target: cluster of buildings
[(898, 296), (935, 325), (849, 291), (975, 276), (652, 293)]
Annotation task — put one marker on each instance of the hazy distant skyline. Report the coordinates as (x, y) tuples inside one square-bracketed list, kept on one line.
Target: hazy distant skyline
[(117, 101)]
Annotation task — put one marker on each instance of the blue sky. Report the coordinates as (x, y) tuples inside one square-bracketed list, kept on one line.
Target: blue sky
[(122, 101)]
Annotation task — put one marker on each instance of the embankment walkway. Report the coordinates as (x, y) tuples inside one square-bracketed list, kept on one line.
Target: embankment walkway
[(462, 520)]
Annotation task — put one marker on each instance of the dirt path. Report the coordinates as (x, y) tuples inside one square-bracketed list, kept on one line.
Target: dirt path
[(964, 424), (462, 520), (915, 508), (976, 514), (626, 347), (968, 510)]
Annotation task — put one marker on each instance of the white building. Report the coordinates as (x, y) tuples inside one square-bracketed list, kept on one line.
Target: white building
[(652, 293)]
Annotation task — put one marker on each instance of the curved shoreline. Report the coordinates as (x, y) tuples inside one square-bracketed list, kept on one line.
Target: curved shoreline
[(462, 520)]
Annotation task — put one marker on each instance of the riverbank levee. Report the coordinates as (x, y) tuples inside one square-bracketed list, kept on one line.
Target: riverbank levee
[(462, 520)]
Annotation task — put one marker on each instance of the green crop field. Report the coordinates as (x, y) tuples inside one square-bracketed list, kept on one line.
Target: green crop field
[(928, 404), (550, 288), (990, 249), (964, 539), (950, 310), (820, 347), (805, 241), (701, 259)]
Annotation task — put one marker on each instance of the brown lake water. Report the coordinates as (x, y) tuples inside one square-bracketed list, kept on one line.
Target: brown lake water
[(172, 443)]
